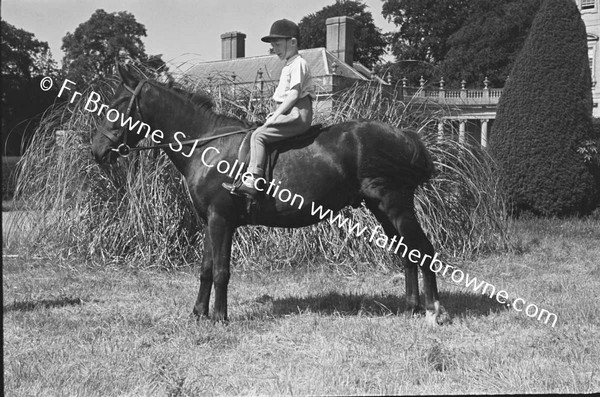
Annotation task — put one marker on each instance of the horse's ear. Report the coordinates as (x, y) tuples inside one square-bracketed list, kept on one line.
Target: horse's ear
[(127, 76), (170, 81)]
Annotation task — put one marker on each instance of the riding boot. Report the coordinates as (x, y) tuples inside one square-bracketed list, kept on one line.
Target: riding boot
[(243, 188)]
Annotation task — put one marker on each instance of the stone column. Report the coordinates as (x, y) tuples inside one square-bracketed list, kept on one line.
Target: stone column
[(484, 133), (440, 130), (461, 131)]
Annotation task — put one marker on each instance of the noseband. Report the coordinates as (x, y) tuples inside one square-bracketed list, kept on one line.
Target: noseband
[(125, 150)]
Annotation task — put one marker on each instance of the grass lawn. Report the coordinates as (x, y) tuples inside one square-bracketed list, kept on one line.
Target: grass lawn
[(100, 330)]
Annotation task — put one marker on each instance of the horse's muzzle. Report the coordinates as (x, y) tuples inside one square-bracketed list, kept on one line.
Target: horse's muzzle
[(108, 157)]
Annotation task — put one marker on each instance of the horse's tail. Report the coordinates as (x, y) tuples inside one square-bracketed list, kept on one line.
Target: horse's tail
[(421, 158), (393, 156)]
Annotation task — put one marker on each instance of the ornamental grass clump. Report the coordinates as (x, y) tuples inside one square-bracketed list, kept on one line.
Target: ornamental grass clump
[(138, 211)]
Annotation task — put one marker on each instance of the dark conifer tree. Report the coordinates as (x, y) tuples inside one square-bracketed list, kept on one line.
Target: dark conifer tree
[(544, 115)]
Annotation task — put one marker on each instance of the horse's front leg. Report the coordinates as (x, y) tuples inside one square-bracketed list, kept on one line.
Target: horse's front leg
[(220, 235), (206, 280)]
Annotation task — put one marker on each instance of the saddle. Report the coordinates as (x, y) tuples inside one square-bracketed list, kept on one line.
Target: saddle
[(273, 150)]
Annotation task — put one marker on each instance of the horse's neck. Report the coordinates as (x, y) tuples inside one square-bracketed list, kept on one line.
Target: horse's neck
[(179, 116), (174, 113)]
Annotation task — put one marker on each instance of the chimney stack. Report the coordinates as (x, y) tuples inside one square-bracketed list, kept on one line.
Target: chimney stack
[(233, 45), (340, 38)]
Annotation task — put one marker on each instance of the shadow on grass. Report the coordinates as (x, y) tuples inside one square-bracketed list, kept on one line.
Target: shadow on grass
[(26, 306), (457, 304)]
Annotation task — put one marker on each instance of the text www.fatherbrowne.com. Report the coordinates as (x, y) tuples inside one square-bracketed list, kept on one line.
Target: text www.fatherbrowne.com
[(375, 234), (456, 275)]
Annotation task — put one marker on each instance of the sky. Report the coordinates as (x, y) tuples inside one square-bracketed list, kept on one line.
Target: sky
[(183, 31)]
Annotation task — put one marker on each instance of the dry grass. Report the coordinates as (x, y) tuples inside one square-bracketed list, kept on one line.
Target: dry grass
[(18, 229), (105, 330)]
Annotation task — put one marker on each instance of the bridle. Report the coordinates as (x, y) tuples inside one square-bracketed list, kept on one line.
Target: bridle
[(124, 150)]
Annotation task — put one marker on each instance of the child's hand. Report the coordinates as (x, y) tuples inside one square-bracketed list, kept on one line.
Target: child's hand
[(270, 119)]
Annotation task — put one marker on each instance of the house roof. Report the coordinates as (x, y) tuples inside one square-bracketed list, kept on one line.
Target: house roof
[(246, 70)]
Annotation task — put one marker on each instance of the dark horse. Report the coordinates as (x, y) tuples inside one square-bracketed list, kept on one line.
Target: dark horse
[(344, 164)]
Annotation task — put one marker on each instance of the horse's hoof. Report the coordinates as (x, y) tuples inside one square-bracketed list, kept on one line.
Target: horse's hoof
[(197, 317), (431, 318), (438, 316), (415, 311), (220, 319), (444, 318)]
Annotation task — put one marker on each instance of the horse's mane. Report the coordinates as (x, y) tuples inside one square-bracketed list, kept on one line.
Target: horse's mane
[(198, 99)]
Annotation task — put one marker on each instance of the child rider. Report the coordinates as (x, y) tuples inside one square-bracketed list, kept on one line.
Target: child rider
[(294, 96)]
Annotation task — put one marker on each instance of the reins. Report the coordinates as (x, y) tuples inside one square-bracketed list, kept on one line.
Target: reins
[(125, 150)]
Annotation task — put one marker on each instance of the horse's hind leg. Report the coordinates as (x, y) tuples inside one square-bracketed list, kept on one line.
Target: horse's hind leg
[(410, 269), (398, 207)]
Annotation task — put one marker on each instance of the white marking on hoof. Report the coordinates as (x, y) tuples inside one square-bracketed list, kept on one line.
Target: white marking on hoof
[(432, 316)]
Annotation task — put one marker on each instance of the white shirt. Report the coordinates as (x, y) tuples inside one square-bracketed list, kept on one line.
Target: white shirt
[(295, 73)]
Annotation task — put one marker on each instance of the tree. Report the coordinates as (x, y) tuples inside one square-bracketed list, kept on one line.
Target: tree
[(369, 42), (24, 62), (457, 39), (544, 115), (488, 43), (93, 48), (424, 27), (23, 55)]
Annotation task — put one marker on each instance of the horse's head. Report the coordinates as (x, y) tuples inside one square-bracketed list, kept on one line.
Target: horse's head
[(114, 135)]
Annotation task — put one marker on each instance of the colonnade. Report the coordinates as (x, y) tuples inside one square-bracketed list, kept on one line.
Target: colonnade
[(462, 129)]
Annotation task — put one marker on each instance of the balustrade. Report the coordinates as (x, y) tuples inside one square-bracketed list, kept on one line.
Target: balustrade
[(462, 96)]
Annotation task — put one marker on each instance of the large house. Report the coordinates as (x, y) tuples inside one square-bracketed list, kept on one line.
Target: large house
[(591, 16), (332, 68), (472, 111)]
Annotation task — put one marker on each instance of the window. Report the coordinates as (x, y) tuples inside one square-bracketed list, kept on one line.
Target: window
[(588, 4), (592, 48)]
